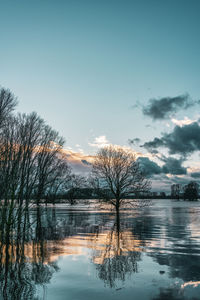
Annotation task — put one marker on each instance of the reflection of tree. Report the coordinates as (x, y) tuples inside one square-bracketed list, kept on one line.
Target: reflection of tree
[(29, 252), (119, 258), (22, 265)]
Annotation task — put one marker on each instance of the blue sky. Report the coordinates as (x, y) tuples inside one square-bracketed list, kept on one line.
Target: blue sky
[(83, 65)]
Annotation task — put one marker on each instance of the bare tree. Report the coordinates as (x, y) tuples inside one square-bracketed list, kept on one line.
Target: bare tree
[(49, 148), (175, 191), (58, 179), (73, 186), (19, 139), (7, 104), (31, 162), (116, 175)]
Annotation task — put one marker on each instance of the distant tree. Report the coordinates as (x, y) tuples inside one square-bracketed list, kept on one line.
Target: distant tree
[(162, 195), (116, 175), (74, 186), (175, 191), (191, 191)]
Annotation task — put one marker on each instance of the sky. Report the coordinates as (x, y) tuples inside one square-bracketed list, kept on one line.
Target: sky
[(111, 71)]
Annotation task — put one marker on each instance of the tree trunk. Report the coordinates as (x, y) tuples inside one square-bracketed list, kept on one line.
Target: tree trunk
[(117, 206)]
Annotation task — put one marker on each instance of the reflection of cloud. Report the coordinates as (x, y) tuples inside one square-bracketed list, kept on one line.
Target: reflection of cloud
[(100, 142), (77, 245), (52, 249), (110, 244)]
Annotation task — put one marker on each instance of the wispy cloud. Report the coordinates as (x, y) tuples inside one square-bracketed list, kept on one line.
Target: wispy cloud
[(185, 121), (100, 141)]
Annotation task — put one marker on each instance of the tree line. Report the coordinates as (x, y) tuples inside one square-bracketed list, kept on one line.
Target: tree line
[(189, 191)]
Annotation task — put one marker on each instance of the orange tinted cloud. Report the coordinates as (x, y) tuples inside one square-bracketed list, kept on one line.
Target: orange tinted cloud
[(80, 162)]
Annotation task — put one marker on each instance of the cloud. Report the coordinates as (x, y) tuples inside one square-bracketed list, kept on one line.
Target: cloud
[(171, 166), (182, 140), (136, 105), (156, 143), (149, 167), (84, 161), (185, 121), (195, 175), (180, 180), (134, 141), (163, 108), (79, 162), (100, 142), (174, 166)]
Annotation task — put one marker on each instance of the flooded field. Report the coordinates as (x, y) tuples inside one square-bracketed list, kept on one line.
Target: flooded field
[(149, 253)]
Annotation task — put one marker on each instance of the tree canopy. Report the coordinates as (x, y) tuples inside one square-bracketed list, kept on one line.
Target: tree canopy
[(116, 175)]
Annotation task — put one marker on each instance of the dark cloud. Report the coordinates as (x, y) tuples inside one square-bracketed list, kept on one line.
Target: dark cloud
[(85, 162), (195, 175), (149, 167), (134, 141), (171, 166), (159, 109), (174, 166), (161, 179), (156, 143), (182, 140), (180, 180)]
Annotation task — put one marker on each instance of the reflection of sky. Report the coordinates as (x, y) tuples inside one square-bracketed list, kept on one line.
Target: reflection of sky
[(161, 240)]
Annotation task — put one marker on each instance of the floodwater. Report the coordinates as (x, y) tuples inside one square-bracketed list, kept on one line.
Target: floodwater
[(146, 253)]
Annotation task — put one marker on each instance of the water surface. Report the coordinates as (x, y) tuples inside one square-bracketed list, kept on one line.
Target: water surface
[(148, 253)]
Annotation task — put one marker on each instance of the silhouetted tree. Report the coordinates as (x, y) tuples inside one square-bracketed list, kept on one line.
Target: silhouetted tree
[(58, 179), (32, 161), (175, 191), (7, 104), (49, 149), (74, 186), (116, 175), (191, 191)]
